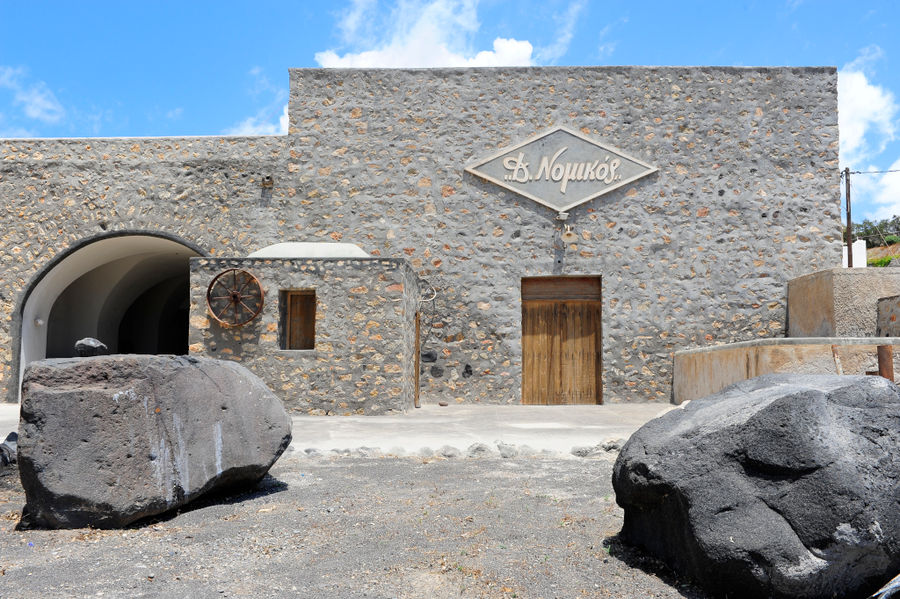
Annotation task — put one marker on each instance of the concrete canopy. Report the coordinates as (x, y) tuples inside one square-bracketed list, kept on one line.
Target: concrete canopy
[(90, 290)]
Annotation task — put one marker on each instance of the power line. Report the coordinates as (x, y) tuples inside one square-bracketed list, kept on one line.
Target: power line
[(872, 172)]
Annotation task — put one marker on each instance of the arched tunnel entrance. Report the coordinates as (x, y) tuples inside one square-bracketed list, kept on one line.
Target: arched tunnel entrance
[(130, 291)]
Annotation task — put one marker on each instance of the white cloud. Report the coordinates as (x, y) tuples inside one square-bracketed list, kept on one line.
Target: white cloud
[(356, 21), (566, 24), (13, 131), (36, 99), (605, 49), (423, 34), (283, 121), (260, 125), (261, 85), (867, 113), (265, 121), (16, 133), (175, 113), (886, 192)]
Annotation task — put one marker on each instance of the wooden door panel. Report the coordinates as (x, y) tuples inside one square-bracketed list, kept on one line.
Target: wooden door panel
[(561, 352), (583, 358)]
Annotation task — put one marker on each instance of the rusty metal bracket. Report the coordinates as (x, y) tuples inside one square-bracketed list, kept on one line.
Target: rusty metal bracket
[(886, 361), (837, 360)]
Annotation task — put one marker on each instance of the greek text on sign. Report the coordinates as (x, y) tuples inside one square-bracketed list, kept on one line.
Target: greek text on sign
[(560, 168)]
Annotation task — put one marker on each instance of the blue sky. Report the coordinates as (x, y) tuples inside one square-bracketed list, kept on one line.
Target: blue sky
[(113, 69)]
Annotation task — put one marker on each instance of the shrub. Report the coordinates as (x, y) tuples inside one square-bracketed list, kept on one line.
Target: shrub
[(880, 261)]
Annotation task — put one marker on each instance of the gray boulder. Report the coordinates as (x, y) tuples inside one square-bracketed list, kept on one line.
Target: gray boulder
[(8, 449), (108, 440), (90, 347), (780, 486)]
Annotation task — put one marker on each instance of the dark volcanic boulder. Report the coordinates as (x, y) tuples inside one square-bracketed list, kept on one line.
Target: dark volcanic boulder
[(107, 440), (8, 449), (780, 486), (90, 347)]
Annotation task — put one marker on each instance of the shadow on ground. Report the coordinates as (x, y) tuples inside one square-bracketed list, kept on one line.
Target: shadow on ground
[(637, 558), (268, 485)]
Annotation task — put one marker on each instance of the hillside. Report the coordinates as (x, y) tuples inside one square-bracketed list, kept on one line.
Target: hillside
[(881, 252)]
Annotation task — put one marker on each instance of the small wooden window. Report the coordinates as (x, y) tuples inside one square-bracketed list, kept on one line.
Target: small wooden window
[(298, 319)]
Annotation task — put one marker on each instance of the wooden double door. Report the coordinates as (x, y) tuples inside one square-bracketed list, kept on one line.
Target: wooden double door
[(561, 340)]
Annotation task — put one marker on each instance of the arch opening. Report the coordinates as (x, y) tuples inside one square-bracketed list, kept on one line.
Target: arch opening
[(130, 291)]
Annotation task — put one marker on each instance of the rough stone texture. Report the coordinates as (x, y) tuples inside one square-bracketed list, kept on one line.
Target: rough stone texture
[(781, 486), (364, 356), (698, 253), (746, 196), (9, 449), (90, 347), (105, 441), (59, 192), (839, 302), (888, 310)]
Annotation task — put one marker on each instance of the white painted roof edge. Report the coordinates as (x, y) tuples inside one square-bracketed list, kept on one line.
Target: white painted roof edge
[(306, 249)]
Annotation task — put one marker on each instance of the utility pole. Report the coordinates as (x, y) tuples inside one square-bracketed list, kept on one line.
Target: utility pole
[(849, 222)]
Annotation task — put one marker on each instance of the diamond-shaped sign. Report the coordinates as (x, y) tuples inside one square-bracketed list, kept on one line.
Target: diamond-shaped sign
[(560, 168)]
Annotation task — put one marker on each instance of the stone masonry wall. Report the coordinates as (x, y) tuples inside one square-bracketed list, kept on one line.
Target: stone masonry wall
[(56, 193), (365, 324), (746, 197), (699, 253)]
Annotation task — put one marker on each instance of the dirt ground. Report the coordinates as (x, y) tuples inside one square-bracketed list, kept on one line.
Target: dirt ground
[(350, 527)]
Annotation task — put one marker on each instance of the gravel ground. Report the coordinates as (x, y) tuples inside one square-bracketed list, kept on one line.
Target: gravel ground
[(347, 527)]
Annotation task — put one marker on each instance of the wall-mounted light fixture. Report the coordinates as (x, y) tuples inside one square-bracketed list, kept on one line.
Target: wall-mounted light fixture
[(569, 235)]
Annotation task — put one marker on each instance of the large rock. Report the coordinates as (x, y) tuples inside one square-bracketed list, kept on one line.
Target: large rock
[(107, 440), (780, 486)]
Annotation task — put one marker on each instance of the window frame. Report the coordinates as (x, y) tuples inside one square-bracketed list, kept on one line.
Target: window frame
[(287, 320)]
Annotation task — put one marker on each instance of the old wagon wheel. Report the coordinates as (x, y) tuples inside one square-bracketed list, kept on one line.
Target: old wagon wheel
[(234, 297)]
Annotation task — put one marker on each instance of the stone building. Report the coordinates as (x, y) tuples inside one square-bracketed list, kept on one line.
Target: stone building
[(560, 232)]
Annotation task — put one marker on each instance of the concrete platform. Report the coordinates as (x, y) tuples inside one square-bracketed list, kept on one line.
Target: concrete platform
[(555, 429), (706, 370)]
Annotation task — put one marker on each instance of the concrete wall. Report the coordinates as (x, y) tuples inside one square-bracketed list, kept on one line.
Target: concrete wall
[(811, 309), (746, 197), (363, 361), (839, 302), (888, 324), (704, 371)]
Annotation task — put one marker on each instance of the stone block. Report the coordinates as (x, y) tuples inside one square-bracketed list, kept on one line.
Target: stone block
[(105, 441)]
